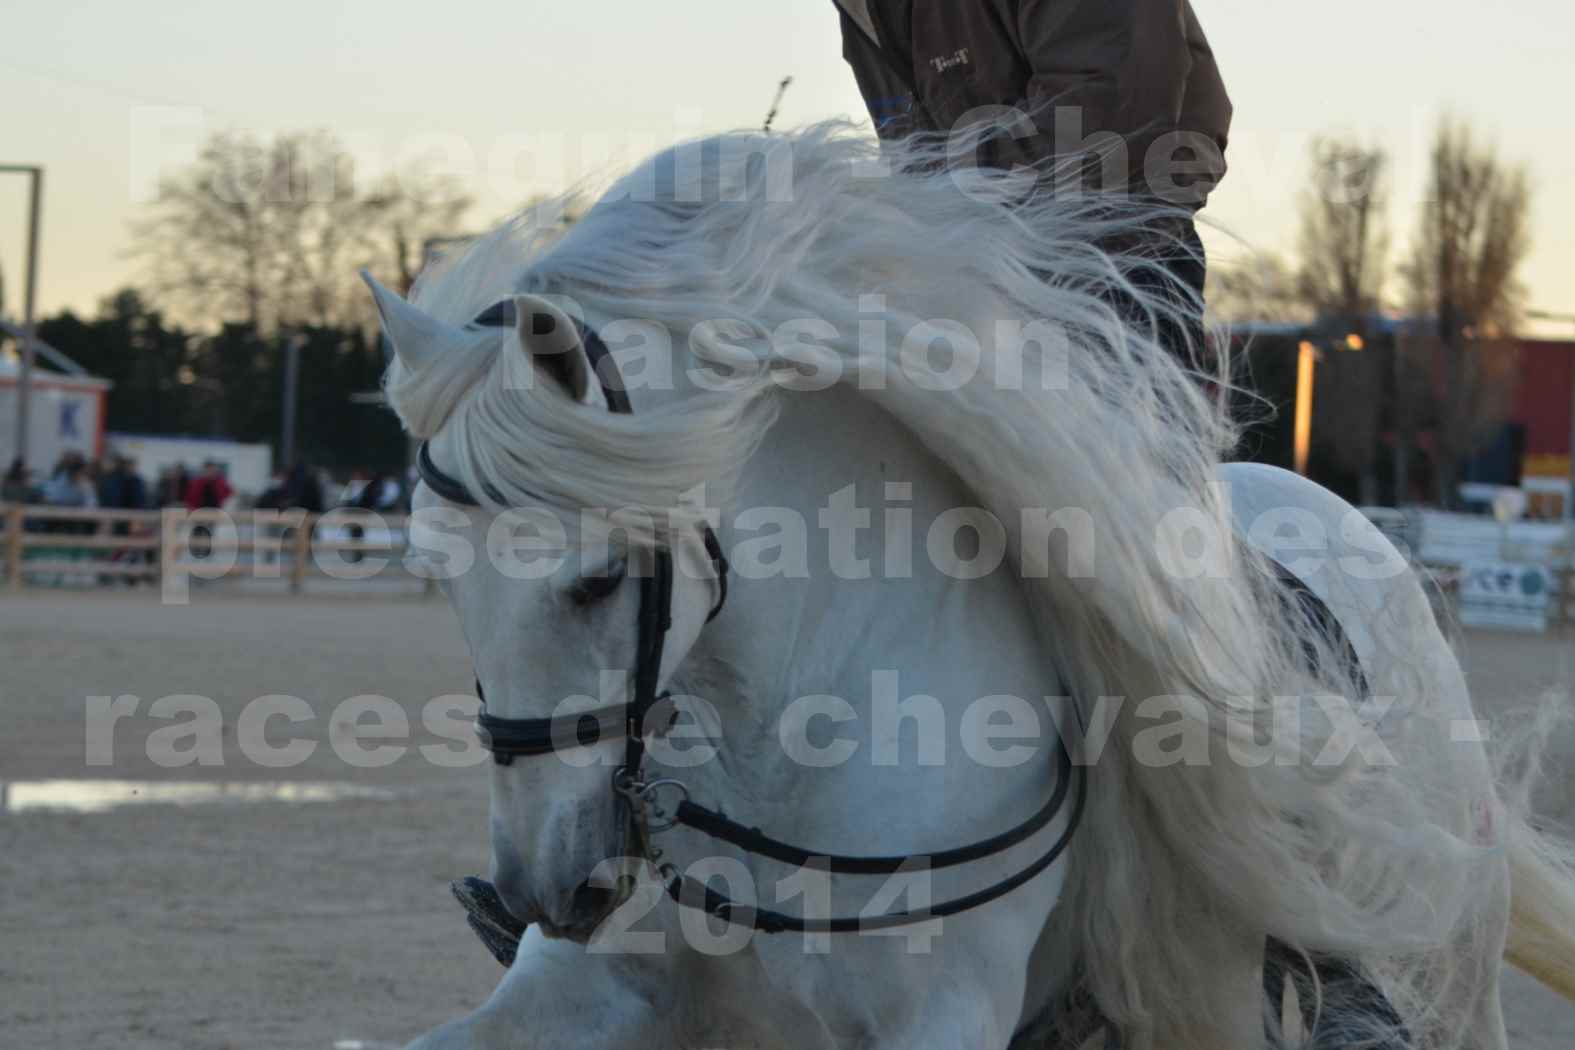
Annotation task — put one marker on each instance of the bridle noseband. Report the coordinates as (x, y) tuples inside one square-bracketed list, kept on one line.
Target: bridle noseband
[(509, 738)]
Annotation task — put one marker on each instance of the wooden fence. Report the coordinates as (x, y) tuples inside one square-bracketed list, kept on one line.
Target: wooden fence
[(43, 544)]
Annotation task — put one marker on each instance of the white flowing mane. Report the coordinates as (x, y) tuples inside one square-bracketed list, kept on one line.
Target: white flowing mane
[(725, 242)]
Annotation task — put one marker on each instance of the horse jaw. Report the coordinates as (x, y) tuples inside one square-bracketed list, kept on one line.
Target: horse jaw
[(417, 337)]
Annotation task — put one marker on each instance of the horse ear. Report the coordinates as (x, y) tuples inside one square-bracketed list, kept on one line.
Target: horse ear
[(553, 340), (417, 337)]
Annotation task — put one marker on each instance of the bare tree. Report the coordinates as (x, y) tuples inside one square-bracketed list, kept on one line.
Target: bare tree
[(409, 210), (272, 233), (220, 240), (1343, 245), (1344, 237), (1473, 236), (1260, 286)]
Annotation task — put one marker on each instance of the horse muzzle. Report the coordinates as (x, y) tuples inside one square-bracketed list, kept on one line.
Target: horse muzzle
[(573, 915), (583, 912)]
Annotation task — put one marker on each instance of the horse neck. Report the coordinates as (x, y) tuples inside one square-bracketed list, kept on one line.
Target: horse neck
[(826, 631)]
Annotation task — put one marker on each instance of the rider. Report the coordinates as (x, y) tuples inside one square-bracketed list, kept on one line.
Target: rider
[(1133, 82)]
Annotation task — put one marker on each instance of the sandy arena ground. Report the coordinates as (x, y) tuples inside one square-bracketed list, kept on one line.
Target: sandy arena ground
[(316, 925)]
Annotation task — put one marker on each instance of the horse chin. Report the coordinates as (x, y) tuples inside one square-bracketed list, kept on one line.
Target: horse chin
[(588, 906), (578, 934)]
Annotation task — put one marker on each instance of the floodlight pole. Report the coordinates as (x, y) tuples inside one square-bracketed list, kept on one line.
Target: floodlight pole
[(24, 379), (292, 377)]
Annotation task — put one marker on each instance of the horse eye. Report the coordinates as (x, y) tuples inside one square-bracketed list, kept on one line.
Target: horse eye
[(591, 589)]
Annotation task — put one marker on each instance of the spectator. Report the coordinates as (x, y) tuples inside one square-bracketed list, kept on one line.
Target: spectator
[(380, 493), (273, 497), (122, 488), (70, 486), (172, 486), (295, 489), (210, 489), (361, 493), (68, 462), (303, 489), (18, 486)]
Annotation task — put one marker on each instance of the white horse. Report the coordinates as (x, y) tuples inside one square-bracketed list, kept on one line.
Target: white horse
[(949, 538)]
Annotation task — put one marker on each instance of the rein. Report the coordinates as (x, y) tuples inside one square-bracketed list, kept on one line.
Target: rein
[(509, 738)]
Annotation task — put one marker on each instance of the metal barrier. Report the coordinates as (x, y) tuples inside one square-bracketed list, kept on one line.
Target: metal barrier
[(41, 542)]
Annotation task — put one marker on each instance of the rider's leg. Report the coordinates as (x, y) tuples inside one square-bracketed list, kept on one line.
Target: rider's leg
[(1176, 278)]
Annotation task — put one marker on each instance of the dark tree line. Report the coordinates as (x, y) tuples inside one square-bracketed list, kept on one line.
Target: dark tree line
[(172, 380)]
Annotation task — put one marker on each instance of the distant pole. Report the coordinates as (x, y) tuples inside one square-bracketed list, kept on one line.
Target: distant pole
[(24, 379), (292, 375), (1306, 362)]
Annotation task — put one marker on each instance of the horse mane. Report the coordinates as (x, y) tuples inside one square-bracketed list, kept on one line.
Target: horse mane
[(728, 240)]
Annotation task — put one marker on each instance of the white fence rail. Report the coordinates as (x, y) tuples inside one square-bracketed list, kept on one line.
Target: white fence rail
[(1516, 575), (44, 545)]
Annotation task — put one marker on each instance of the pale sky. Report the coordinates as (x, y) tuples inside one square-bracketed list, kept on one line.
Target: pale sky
[(528, 97)]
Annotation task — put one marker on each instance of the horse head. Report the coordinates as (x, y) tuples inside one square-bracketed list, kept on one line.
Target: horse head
[(549, 595)]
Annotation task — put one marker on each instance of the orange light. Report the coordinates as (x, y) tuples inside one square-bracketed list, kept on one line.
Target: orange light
[(1354, 342), (1306, 359)]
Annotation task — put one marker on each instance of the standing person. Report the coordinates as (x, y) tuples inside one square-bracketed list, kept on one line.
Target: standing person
[(294, 489), (210, 489), (360, 493), (70, 486), (1130, 86), (172, 486), (272, 497), (381, 493), (122, 488), (18, 486), (68, 462), (303, 488)]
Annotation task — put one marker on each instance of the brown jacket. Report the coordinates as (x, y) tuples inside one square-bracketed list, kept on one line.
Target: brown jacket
[(1139, 68)]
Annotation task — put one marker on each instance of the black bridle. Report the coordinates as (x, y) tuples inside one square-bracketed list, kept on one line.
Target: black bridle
[(509, 738)]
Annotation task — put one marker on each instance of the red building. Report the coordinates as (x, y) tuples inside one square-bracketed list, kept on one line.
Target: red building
[(1544, 399), (1542, 405), (1531, 449)]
